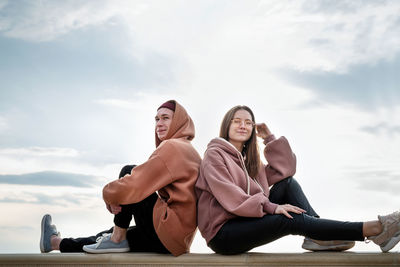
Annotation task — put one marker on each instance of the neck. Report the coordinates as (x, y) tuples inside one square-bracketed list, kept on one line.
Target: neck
[(238, 145)]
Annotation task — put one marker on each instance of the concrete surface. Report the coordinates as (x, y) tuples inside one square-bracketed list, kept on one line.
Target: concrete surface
[(247, 259)]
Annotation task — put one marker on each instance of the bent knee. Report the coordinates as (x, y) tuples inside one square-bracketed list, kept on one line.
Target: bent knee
[(126, 170)]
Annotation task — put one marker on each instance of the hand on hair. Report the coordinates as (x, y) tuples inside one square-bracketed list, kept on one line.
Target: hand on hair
[(262, 130)]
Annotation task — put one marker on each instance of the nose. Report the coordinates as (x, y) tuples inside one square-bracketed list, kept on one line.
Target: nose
[(242, 124), (159, 123)]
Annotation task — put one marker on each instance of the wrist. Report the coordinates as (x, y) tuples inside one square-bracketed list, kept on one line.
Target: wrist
[(269, 138)]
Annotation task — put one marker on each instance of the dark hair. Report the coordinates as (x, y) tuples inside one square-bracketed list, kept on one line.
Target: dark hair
[(250, 150)]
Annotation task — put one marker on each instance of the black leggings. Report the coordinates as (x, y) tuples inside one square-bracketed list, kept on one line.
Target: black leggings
[(141, 237), (242, 234)]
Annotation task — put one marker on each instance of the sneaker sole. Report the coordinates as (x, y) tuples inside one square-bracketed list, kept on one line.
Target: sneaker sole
[(392, 243), (103, 251), (42, 233), (327, 248)]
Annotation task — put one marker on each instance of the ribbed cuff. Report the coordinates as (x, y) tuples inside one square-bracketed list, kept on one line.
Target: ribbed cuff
[(269, 138), (270, 207)]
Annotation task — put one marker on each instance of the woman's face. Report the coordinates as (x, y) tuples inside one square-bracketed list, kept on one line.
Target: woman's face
[(241, 127)]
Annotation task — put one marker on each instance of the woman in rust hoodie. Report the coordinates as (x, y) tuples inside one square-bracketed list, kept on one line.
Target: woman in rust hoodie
[(237, 211), (158, 193)]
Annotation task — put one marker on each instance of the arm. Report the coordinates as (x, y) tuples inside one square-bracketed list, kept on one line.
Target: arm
[(144, 180), (229, 194), (281, 159), (282, 164)]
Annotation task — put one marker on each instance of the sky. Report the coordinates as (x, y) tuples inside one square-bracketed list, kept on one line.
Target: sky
[(80, 82)]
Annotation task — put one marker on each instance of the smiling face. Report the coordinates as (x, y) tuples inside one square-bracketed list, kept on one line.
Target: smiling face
[(240, 129), (163, 121)]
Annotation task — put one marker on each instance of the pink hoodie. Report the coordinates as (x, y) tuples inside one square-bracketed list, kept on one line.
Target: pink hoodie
[(225, 191)]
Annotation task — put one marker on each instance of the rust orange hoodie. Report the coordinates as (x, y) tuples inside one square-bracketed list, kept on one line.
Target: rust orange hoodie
[(171, 170)]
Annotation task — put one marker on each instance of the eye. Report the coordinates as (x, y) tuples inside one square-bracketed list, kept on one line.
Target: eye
[(249, 123)]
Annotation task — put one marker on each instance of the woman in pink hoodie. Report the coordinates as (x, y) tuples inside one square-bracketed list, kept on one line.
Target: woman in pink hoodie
[(237, 211)]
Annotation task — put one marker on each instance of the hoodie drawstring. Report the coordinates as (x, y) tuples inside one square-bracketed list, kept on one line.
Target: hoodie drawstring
[(245, 172), (247, 175), (243, 166)]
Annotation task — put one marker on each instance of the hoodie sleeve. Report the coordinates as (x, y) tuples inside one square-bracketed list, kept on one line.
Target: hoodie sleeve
[(231, 196), (144, 180), (281, 159)]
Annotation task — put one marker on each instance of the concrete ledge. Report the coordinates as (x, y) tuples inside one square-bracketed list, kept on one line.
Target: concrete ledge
[(247, 259)]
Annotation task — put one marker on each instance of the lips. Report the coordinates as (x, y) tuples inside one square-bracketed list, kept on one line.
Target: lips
[(161, 131)]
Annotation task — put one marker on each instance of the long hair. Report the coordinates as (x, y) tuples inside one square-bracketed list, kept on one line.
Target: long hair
[(250, 149)]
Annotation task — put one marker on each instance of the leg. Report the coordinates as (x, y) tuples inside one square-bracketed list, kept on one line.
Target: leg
[(141, 237), (242, 234), (116, 242), (288, 191), (76, 244), (123, 219), (50, 239), (372, 228)]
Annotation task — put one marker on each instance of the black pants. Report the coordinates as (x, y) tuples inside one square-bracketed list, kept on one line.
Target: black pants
[(141, 237), (242, 234)]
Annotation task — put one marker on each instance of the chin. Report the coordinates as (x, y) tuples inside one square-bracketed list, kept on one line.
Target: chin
[(243, 138)]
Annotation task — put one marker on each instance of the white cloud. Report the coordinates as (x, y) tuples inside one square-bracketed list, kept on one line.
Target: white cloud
[(120, 103), (41, 151), (38, 159), (240, 32), (46, 20), (331, 38), (244, 34), (141, 101), (382, 127)]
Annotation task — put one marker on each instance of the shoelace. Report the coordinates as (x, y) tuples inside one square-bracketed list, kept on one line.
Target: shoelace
[(100, 239)]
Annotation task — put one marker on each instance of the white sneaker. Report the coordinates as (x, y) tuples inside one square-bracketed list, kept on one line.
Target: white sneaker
[(390, 235), (105, 245), (332, 245)]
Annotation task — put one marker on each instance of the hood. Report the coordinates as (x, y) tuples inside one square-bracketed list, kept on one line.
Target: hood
[(224, 145), (221, 143), (181, 126)]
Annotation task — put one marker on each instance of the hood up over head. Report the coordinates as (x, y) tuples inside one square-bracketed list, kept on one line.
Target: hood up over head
[(181, 126)]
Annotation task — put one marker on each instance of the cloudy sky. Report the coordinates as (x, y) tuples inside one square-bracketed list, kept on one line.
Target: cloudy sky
[(80, 82)]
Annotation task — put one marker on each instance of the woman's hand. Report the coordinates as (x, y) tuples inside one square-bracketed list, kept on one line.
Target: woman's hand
[(262, 130), (285, 209), (114, 209)]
